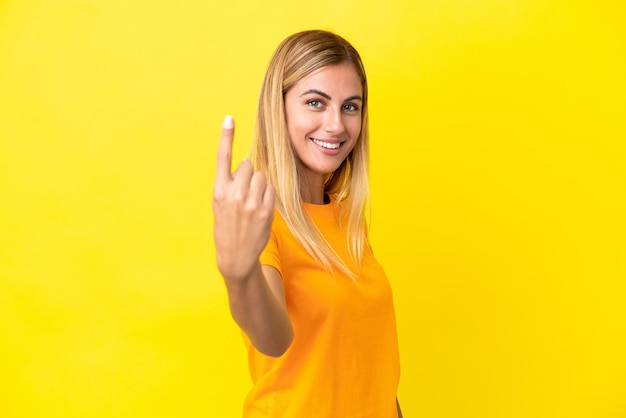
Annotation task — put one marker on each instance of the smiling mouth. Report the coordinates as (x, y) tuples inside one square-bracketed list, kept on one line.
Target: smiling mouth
[(327, 145)]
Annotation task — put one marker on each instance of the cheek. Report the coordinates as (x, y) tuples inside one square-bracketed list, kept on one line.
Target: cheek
[(355, 128), (297, 125)]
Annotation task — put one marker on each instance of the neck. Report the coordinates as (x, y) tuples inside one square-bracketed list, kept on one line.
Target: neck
[(313, 192)]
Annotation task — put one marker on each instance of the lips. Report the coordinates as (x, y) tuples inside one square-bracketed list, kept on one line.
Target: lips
[(327, 145)]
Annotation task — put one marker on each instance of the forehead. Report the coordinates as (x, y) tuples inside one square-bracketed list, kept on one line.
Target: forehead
[(339, 78)]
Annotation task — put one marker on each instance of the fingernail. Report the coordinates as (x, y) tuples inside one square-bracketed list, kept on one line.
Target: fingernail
[(228, 122)]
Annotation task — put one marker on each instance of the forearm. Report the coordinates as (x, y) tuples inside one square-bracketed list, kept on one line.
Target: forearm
[(260, 314)]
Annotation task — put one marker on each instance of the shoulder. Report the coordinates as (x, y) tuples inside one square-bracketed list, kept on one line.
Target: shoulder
[(278, 224), (280, 231)]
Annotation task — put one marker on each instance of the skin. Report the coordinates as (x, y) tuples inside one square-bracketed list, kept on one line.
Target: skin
[(243, 207), (324, 106)]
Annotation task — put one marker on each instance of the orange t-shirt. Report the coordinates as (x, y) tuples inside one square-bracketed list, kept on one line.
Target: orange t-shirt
[(343, 361)]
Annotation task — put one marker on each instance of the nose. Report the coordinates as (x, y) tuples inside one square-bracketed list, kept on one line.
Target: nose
[(333, 123)]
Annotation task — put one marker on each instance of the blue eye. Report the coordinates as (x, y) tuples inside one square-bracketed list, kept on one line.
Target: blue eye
[(314, 103)]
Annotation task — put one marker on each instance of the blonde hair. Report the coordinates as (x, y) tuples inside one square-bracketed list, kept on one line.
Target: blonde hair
[(296, 57)]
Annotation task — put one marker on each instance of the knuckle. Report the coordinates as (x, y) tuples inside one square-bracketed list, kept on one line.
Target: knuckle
[(251, 206), (218, 193), (259, 177), (237, 197), (266, 214), (224, 154), (244, 165)]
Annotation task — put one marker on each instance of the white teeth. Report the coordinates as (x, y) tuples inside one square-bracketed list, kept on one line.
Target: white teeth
[(326, 144)]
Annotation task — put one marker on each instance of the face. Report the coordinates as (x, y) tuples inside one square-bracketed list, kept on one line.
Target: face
[(323, 113)]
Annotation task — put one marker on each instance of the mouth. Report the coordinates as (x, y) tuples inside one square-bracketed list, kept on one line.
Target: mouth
[(327, 145)]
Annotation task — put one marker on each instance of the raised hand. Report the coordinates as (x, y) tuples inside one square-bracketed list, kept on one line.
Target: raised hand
[(243, 209)]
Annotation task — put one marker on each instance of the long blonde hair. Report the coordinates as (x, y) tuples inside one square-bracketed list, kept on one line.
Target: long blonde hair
[(296, 57)]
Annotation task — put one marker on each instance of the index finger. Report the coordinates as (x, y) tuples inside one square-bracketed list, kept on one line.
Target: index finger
[(225, 150)]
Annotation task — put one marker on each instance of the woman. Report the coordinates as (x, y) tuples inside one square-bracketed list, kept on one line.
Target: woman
[(291, 241)]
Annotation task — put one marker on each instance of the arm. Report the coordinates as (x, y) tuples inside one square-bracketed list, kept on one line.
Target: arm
[(257, 305), (243, 208)]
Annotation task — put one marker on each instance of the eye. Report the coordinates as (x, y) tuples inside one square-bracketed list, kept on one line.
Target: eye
[(350, 107), (314, 103)]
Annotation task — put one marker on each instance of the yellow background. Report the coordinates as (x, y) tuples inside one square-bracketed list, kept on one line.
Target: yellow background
[(498, 182)]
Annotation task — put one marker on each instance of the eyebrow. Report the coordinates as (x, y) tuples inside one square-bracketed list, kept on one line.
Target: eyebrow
[(327, 97)]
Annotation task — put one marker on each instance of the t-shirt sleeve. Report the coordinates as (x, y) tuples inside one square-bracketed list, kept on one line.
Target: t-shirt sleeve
[(270, 255)]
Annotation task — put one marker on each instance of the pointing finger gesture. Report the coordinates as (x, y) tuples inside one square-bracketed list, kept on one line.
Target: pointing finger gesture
[(243, 209)]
